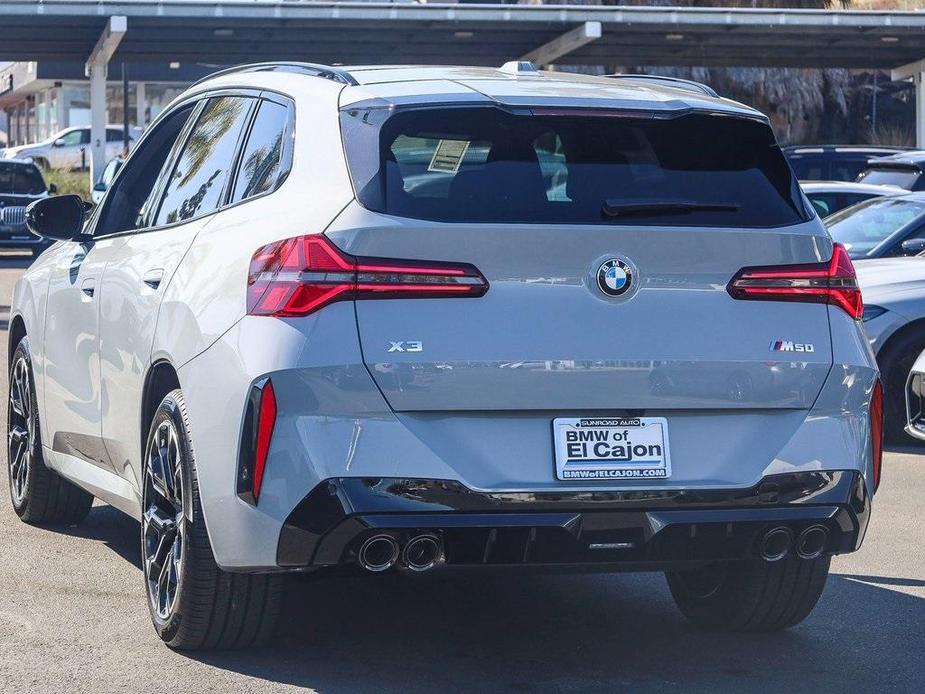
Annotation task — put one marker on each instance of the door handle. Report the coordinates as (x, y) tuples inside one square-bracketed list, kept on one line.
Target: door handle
[(88, 287), (153, 277)]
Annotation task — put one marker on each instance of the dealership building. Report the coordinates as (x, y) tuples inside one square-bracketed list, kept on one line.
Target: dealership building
[(40, 98)]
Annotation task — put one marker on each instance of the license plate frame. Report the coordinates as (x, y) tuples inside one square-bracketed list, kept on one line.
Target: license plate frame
[(611, 449)]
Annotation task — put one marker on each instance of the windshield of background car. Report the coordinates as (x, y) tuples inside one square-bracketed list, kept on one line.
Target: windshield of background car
[(486, 164), (902, 177), (21, 179), (865, 226)]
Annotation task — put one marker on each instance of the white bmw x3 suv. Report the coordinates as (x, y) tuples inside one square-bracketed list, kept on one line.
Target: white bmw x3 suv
[(405, 318)]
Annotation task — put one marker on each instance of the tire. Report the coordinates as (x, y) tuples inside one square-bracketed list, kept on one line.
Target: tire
[(750, 596), (40, 495), (193, 603), (895, 361)]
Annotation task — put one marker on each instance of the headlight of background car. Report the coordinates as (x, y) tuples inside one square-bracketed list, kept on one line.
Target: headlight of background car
[(871, 312)]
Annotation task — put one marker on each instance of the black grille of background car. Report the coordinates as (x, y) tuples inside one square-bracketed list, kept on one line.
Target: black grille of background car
[(13, 216)]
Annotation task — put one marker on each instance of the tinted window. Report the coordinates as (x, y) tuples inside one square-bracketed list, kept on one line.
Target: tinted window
[(869, 224), (113, 135), (262, 161), (904, 178), (196, 186), (20, 179), (128, 202), (809, 168), (488, 165)]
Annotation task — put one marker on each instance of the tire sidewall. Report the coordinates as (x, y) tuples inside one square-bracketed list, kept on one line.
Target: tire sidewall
[(173, 408), (35, 436)]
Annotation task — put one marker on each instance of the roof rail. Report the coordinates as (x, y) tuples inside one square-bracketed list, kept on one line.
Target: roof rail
[(676, 82), (311, 69)]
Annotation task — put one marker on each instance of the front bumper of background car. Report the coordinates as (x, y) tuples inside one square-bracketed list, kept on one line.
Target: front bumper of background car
[(625, 530)]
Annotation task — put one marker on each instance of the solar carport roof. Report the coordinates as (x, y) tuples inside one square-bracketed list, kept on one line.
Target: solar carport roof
[(235, 31)]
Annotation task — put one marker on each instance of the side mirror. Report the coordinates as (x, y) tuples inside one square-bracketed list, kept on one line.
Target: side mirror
[(100, 187), (53, 188), (58, 143), (60, 218), (913, 246)]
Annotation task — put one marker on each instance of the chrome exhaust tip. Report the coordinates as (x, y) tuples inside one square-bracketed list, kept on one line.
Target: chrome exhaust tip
[(812, 542), (776, 543), (422, 553), (378, 553)]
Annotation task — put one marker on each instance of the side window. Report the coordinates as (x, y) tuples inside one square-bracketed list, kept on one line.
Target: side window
[(263, 164), (113, 135), (75, 137), (126, 204), (202, 169)]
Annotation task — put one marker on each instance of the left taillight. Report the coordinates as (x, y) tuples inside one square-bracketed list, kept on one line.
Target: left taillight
[(832, 282), (256, 435), (297, 276), (876, 431)]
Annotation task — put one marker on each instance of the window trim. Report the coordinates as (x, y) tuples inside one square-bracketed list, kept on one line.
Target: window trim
[(248, 119), (285, 159), (199, 99)]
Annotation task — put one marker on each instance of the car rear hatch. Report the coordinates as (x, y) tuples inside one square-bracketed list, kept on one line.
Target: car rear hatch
[(545, 202)]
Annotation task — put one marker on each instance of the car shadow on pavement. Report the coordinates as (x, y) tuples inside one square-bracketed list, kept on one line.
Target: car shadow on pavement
[(521, 632)]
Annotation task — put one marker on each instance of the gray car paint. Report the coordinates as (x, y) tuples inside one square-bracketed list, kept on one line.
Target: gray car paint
[(476, 404)]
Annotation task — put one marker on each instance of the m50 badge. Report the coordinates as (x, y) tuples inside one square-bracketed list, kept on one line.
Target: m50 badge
[(788, 346)]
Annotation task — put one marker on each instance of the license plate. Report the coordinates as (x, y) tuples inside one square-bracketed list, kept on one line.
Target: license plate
[(608, 448)]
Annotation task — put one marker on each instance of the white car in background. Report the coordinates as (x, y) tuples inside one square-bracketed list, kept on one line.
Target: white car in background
[(70, 148)]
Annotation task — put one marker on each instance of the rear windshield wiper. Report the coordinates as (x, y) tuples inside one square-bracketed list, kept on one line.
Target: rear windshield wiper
[(620, 207)]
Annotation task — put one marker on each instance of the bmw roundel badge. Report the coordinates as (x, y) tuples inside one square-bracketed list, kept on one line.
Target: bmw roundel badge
[(614, 277)]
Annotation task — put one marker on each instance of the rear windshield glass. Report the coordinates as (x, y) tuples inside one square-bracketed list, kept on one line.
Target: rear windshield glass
[(904, 178), (21, 179), (483, 164), (864, 227)]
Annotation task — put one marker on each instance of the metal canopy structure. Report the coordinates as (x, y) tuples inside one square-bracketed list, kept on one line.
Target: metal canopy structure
[(223, 32), (233, 31)]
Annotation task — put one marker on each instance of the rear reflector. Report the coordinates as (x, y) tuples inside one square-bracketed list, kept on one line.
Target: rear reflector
[(256, 435), (876, 431), (297, 276), (833, 282)]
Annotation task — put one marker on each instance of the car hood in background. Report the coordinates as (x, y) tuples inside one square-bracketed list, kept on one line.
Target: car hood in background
[(884, 277)]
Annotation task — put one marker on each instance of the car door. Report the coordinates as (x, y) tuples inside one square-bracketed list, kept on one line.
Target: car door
[(73, 152), (139, 272)]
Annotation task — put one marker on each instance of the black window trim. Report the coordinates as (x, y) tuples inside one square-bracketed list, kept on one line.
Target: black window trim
[(199, 100)]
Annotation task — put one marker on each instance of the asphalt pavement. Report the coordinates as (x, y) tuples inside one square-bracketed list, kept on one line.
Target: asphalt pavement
[(73, 619)]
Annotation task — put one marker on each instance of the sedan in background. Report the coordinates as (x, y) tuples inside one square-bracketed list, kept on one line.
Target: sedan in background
[(828, 197), (70, 148), (881, 227), (894, 318)]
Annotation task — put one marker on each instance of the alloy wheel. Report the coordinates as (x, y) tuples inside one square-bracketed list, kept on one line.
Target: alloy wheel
[(163, 528), (20, 428)]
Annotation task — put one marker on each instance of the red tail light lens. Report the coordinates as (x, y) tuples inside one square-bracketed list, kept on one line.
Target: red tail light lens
[(833, 282), (297, 276), (266, 421), (876, 430)]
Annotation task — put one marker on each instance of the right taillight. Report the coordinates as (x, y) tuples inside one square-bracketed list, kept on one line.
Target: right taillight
[(297, 276), (833, 282), (876, 431)]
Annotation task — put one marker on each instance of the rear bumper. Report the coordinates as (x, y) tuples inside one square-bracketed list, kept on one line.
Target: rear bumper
[(629, 530)]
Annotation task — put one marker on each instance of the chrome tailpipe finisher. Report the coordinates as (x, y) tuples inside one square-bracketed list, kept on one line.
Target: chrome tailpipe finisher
[(422, 553), (378, 553)]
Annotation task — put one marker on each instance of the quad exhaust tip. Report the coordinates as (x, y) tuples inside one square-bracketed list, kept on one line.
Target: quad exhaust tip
[(378, 553), (776, 543), (812, 542), (422, 553)]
